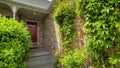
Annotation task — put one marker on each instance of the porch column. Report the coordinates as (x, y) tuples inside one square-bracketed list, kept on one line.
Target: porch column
[(14, 10)]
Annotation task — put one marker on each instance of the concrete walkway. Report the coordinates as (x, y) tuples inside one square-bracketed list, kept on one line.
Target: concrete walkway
[(40, 59)]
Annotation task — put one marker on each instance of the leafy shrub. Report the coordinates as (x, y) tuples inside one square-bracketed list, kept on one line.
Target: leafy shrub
[(14, 43), (65, 15), (74, 59), (102, 27)]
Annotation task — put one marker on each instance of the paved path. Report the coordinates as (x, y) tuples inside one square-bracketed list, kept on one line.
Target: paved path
[(40, 59)]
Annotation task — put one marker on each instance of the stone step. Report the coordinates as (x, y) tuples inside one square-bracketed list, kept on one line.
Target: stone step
[(35, 54), (40, 60)]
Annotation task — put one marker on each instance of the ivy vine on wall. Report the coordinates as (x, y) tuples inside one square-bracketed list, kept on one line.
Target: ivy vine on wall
[(64, 16), (102, 28)]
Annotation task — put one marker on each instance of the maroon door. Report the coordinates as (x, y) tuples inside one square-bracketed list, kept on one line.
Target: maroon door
[(32, 28)]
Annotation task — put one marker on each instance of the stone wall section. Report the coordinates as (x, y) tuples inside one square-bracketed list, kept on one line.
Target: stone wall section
[(50, 35), (6, 11), (40, 35), (51, 39)]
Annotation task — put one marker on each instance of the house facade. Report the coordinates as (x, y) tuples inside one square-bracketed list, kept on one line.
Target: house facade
[(37, 18)]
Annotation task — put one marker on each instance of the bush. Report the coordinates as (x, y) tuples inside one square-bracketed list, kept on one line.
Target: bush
[(64, 13), (64, 16), (102, 29), (14, 43), (74, 59)]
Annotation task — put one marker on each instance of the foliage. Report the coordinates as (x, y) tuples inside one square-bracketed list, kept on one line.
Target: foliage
[(64, 15), (102, 29), (14, 43), (74, 59)]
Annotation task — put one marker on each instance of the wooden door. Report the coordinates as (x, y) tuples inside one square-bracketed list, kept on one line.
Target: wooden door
[(32, 28)]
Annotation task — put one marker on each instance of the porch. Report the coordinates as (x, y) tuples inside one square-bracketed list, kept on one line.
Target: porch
[(37, 18), (41, 26)]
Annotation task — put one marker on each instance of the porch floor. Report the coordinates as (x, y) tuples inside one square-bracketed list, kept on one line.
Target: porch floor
[(40, 59)]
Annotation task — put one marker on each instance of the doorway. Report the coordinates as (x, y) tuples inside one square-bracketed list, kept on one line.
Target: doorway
[(32, 28)]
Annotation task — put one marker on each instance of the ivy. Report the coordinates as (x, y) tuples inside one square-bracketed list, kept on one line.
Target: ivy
[(102, 28), (74, 59), (65, 15)]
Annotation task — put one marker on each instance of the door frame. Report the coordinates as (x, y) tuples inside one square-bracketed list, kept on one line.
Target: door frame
[(37, 31)]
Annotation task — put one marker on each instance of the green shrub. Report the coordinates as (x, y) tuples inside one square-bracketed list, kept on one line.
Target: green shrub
[(102, 26), (64, 13), (74, 59), (64, 16), (14, 43)]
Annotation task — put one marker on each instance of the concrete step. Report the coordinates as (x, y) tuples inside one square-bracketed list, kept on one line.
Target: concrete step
[(40, 60), (42, 53)]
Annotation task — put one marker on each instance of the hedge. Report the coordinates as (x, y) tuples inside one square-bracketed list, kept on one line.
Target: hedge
[(14, 43)]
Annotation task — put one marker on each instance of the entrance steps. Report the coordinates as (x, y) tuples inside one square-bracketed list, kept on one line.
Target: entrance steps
[(40, 59)]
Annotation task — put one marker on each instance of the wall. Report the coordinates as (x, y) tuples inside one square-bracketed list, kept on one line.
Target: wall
[(40, 36), (51, 39), (50, 35), (6, 11)]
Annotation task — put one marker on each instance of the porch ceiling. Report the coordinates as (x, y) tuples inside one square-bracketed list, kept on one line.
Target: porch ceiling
[(32, 9), (43, 4), (32, 15), (37, 5)]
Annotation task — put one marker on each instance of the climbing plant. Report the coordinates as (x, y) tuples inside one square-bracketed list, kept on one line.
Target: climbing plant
[(102, 28), (74, 59), (64, 16)]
